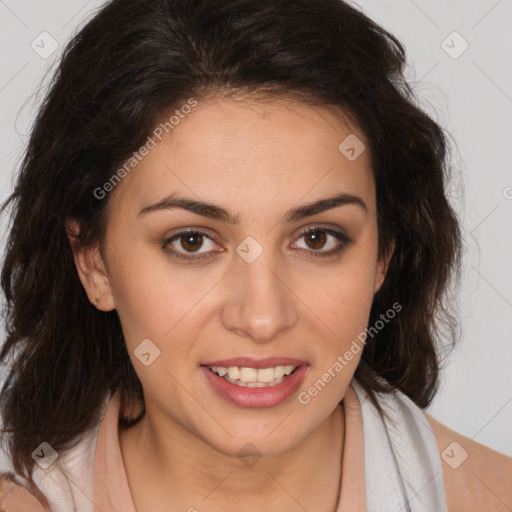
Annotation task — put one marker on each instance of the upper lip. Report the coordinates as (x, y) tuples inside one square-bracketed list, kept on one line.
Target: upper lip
[(250, 362)]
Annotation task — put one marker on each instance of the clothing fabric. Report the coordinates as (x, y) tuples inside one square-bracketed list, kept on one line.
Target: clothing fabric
[(403, 469), (111, 486), (390, 462)]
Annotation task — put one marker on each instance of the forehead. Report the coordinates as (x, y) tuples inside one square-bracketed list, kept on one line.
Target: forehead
[(247, 151)]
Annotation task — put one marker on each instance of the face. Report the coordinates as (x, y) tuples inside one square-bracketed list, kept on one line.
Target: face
[(278, 268)]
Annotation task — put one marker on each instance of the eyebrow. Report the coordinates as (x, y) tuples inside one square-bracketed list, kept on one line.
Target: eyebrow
[(216, 212)]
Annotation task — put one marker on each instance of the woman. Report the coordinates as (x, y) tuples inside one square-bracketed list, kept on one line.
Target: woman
[(229, 259)]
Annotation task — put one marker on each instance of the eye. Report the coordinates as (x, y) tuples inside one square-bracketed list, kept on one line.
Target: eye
[(323, 242), (186, 243), (197, 245)]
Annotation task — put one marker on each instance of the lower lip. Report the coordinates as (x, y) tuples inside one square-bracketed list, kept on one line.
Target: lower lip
[(256, 397)]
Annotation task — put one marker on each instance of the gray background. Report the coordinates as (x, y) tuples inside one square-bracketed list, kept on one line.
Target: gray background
[(469, 93)]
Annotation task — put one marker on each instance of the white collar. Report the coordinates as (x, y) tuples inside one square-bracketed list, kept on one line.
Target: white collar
[(403, 469)]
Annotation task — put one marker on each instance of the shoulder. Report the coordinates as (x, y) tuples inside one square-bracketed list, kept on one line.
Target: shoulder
[(15, 497), (475, 476)]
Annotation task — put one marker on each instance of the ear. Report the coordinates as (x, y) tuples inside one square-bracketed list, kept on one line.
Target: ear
[(382, 266), (91, 269)]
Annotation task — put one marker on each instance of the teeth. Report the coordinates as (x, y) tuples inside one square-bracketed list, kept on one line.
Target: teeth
[(234, 372), (248, 375), (254, 384), (279, 372), (289, 369), (252, 377), (262, 375)]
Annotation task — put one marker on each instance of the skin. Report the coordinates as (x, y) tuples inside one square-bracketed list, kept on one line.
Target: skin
[(257, 160)]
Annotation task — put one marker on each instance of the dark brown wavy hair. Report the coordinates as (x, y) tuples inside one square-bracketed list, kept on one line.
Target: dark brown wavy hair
[(137, 60)]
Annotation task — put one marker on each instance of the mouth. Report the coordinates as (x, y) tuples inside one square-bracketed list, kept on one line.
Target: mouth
[(248, 382), (254, 377)]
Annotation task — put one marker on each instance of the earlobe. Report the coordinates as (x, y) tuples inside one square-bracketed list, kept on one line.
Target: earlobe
[(382, 267), (91, 269)]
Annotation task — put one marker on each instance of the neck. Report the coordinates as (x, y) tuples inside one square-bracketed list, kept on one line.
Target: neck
[(172, 465)]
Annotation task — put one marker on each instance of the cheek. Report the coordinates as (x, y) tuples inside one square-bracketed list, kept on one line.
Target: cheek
[(346, 305), (155, 299), (345, 300)]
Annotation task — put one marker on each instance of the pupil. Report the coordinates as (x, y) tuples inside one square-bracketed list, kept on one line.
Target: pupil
[(192, 242)]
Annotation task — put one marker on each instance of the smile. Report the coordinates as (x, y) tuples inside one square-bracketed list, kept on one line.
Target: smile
[(244, 386), (253, 377)]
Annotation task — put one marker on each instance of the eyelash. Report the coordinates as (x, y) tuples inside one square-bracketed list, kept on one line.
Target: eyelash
[(340, 236)]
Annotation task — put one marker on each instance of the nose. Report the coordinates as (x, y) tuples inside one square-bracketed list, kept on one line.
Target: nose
[(260, 303)]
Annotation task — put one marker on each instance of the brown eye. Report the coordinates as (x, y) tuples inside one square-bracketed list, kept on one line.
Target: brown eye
[(320, 242), (315, 239), (191, 241), (184, 244)]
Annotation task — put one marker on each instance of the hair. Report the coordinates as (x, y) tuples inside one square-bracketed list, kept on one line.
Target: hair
[(132, 63)]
